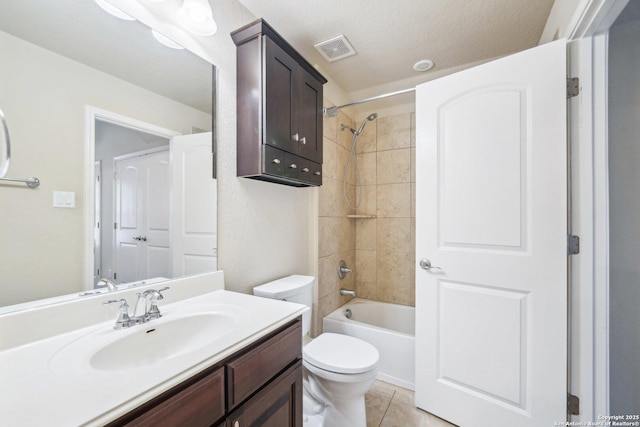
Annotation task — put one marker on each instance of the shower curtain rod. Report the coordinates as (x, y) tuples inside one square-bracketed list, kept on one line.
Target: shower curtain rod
[(333, 111)]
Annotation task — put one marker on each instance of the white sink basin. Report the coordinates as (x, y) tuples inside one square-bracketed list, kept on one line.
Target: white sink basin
[(174, 335), (152, 343)]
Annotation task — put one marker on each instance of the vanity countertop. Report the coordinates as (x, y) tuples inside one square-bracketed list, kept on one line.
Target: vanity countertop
[(49, 382)]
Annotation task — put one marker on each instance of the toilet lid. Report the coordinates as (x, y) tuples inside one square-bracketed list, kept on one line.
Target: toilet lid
[(341, 353)]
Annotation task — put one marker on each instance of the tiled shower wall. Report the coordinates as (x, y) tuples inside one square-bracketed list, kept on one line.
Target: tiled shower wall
[(337, 233), (380, 249), (385, 243)]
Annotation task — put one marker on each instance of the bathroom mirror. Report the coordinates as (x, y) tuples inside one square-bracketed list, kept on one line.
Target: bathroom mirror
[(73, 77)]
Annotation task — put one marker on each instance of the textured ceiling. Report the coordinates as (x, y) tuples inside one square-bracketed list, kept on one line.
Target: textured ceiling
[(390, 36)]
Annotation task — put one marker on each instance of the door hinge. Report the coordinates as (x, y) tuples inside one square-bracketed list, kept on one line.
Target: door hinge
[(115, 276), (573, 245), (573, 404), (573, 87), (115, 225)]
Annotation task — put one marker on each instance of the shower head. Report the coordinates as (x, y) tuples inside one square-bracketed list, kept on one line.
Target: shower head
[(370, 118)]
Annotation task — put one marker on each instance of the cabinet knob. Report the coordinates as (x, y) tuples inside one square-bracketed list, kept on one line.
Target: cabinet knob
[(276, 161), (295, 137), (305, 169), (317, 173), (293, 166), (303, 140)]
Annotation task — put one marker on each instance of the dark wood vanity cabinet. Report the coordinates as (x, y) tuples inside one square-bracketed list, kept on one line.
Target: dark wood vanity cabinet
[(260, 385), (279, 123), (277, 405)]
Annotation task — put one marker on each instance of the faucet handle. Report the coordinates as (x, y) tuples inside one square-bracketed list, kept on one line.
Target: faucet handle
[(343, 270), (124, 321), (154, 311), (160, 291), (122, 301)]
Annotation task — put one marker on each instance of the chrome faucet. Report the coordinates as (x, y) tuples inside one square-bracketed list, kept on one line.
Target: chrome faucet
[(347, 292), (147, 305), (108, 283), (146, 308)]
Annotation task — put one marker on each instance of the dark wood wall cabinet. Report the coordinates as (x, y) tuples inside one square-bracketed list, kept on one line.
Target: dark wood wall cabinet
[(279, 122), (260, 385)]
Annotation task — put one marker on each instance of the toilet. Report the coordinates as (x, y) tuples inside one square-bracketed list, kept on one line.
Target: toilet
[(338, 369)]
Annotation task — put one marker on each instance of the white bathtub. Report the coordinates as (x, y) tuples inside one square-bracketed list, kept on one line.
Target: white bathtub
[(389, 327)]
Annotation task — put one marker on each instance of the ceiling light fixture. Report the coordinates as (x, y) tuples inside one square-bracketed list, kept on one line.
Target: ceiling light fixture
[(423, 65), (112, 10), (165, 40), (197, 17)]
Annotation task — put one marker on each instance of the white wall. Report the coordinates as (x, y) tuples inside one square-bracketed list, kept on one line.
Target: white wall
[(41, 247), (624, 206)]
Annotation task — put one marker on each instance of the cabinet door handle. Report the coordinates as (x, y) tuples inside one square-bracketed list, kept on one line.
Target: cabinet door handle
[(317, 173), (293, 166), (276, 161), (295, 137), (305, 169), (303, 140)]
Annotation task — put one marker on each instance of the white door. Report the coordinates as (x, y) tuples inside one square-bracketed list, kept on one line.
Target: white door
[(142, 217), (491, 213), (194, 239)]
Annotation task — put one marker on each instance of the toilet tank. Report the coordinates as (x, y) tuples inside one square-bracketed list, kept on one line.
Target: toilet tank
[(294, 288)]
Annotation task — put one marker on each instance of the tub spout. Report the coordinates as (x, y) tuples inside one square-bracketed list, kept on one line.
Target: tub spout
[(347, 292)]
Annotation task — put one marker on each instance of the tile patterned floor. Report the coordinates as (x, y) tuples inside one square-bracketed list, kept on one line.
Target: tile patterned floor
[(392, 406)]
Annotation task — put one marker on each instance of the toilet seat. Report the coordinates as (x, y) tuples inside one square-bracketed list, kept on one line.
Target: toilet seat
[(341, 354)]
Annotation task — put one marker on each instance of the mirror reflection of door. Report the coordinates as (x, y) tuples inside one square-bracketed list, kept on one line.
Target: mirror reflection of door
[(194, 242), (115, 146), (142, 216)]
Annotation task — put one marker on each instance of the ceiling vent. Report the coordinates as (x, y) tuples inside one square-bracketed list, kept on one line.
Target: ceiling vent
[(335, 48)]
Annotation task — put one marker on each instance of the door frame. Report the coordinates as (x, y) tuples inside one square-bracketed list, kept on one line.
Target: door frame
[(587, 33), (93, 114)]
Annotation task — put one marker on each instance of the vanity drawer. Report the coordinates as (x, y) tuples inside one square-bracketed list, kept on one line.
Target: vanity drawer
[(273, 161), (200, 404), (249, 372)]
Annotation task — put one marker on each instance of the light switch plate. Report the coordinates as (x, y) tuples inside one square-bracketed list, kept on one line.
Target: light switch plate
[(64, 199)]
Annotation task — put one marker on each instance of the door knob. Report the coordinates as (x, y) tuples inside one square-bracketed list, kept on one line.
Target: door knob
[(425, 264)]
